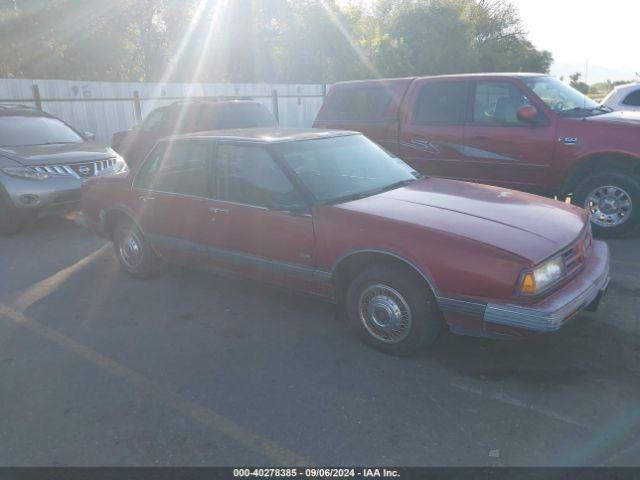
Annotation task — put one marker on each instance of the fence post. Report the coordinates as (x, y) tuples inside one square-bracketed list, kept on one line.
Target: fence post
[(35, 91), (274, 98), (136, 106)]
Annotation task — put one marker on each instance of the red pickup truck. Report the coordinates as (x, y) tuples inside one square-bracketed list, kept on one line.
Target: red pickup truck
[(530, 132)]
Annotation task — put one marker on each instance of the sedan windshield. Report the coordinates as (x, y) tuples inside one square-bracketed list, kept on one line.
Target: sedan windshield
[(19, 131), (561, 98), (340, 169)]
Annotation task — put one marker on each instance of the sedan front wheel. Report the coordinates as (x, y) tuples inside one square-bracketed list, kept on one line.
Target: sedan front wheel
[(392, 310)]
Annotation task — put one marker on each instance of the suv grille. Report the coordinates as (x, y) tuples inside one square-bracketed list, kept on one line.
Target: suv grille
[(77, 170)]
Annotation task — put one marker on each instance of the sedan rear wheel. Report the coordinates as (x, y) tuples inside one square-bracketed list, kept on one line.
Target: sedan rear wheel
[(393, 310), (134, 253)]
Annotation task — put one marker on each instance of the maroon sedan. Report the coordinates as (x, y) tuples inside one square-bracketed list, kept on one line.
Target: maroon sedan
[(332, 214)]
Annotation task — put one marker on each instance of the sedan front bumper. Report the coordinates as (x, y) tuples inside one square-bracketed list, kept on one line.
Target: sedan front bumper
[(583, 292)]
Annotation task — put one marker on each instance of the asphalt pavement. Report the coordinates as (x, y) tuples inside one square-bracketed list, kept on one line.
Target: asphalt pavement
[(190, 368)]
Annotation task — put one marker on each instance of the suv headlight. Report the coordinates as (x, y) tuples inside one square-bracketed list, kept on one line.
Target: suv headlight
[(25, 173), (120, 166), (540, 278)]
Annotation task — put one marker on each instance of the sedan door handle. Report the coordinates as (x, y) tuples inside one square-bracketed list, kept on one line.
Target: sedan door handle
[(218, 210), (144, 199)]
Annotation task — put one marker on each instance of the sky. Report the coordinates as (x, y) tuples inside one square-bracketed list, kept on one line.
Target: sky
[(603, 34)]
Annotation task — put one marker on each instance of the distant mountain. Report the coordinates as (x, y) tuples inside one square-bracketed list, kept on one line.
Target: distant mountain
[(595, 74)]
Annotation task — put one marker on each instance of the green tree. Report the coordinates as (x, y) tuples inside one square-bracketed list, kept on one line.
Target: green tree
[(297, 41), (574, 81)]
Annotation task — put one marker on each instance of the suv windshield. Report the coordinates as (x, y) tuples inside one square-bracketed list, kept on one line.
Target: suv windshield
[(561, 98), (340, 169), (23, 130)]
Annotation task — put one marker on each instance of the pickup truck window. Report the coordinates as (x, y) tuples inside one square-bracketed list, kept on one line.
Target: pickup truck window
[(442, 103), (497, 103), (155, 121), (221, 117), (179, 167), (358, 103), (561, 98)]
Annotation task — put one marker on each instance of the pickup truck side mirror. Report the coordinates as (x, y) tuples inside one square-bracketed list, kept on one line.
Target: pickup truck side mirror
[(528, 114), (89, 135)]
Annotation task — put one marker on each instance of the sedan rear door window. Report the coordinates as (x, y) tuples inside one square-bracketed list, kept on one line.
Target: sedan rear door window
[(178, 167)]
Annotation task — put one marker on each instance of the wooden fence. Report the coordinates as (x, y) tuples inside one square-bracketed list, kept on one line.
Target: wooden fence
[(107, 107)]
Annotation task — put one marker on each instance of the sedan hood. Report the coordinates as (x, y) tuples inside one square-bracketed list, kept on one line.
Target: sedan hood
[(57, 153), (528, 226)]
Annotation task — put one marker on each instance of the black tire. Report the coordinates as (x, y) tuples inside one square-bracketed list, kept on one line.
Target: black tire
[(625, 183), (425, 318), (10, 221), (146, 263)]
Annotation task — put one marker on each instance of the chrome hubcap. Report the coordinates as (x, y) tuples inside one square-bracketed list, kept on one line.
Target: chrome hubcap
[(131, 250), (385, 313), (608, 206)]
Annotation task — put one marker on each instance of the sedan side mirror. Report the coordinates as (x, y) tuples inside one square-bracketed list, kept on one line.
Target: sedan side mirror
[(89, 135), (528, 114), (295, 209)]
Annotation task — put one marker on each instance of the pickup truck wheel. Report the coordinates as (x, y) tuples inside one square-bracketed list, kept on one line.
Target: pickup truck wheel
[(392, 310), (134, 253), (612, 201)]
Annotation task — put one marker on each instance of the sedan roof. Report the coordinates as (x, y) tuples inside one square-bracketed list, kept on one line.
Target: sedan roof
[(266, 135)]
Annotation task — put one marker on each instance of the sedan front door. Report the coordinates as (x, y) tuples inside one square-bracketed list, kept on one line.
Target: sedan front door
[(270, 232)]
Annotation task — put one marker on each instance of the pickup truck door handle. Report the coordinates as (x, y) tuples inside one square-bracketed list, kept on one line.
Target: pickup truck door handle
[(144, 198), (218, 210)]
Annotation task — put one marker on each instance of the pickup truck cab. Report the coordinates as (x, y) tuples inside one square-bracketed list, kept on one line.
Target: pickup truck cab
[(528, 132)]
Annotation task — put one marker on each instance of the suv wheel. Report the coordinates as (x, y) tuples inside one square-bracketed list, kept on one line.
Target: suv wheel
[(612, 201), (134, 253), (392, 310)]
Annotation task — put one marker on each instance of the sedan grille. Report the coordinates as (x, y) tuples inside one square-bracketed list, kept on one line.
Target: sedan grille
[(575, 256), (77, 170)]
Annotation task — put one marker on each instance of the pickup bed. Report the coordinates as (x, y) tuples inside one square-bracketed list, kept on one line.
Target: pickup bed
[(528, 132)]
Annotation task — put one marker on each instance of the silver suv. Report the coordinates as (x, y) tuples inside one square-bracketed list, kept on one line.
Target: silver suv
[(43, 162)]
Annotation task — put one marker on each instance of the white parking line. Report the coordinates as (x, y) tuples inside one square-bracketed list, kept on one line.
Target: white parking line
[(515, 402)]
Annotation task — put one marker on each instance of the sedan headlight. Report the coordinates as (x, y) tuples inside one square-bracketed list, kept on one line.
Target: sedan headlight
[(539, 279), (25, 173)]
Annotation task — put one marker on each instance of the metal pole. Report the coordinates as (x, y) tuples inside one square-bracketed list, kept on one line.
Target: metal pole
[(276, 111), (136, 106), (35, 90)]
